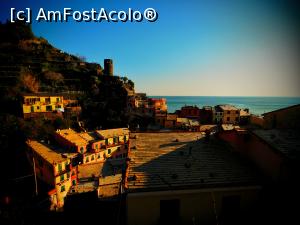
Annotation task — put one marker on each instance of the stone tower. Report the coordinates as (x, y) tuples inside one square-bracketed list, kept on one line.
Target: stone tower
[(108, 67)]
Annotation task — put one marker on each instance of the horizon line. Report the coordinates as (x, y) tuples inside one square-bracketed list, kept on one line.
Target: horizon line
[(254, 96)]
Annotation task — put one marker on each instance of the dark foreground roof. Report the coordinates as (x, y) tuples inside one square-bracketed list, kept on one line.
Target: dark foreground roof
[(286, 141), (282, 109), (160, 162)]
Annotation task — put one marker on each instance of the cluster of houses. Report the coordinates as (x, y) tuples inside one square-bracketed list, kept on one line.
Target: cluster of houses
[(72, 161), (188, 117), (167, 172)]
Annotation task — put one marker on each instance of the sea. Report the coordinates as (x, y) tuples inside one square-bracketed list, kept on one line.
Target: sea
[(256, 105)]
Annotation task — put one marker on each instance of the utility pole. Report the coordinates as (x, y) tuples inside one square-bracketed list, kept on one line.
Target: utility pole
[(35, 180)]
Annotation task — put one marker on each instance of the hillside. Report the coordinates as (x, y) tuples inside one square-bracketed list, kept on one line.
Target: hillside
[(29, 64), (23, 53)]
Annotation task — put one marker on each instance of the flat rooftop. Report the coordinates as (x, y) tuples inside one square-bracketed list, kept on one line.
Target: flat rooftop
[(160, 162), (286, 142), (74, 137), (113, 132), (90, 170)]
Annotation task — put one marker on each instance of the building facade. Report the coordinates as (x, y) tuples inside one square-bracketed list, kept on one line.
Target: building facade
[(231, 114), (36, 105), (53, 168)]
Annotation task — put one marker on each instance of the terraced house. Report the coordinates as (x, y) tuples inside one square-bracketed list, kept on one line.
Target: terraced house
[(57, 164), (53, 166), (47, 105)]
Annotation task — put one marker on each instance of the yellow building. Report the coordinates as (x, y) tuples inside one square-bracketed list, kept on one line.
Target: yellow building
[(96, 146), (114, 136), (231, 114), (78, 142), (53, 168), (35, 105)]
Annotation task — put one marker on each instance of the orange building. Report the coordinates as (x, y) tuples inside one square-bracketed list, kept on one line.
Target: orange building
[(170, 121), (158, 104), (96, 146), (53, 166), (191, 112), (58, 166)]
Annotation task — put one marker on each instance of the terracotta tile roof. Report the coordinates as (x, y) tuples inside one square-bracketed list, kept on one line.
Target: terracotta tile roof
[(46, 152), (228, 107), (160, 162)]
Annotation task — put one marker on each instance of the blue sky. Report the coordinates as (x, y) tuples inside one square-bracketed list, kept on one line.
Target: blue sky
[(209, 47)]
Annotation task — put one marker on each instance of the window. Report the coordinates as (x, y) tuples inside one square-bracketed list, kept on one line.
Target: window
[(108, 151), (62, 177), (59, 167), (87, 159), (68, 175), (125, 138), (93, 158), (228, 118), (98, 156), (119, 149), (58, 106), (47, 100), (73, 182), (81, 150), (57, 99), (106, 141), (170, 211), (116, 140), (228, 112), (48, 108), (73, 173), (37, 107), (32, 109), (236, 112), (96, 146), (63, 188)]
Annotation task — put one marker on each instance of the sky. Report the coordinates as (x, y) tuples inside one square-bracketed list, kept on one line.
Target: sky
[(194, 48)]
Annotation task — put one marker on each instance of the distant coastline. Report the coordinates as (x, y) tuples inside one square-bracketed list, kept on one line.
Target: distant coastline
[(256, 105)]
